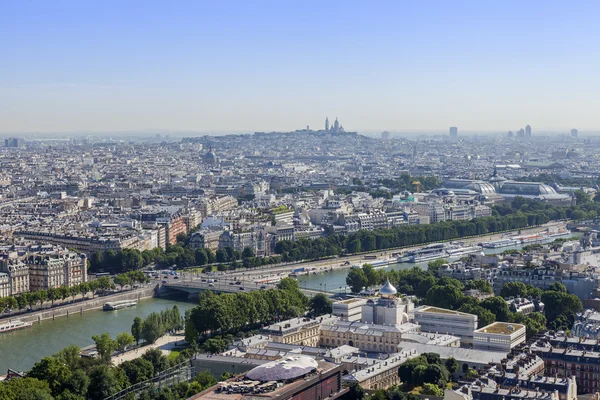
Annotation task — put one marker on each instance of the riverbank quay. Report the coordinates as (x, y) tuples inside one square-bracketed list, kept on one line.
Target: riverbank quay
[(164, 343), (64, 310), (345, 261)]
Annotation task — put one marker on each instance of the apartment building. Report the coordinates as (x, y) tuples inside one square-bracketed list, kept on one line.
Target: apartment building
[(18, 275), (4, 285), (205, 239)]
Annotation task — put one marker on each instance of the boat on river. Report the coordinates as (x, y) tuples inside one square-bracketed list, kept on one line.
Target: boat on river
[(13, 325), (117, 305), (427, 253), (496, 244), (461, 251)]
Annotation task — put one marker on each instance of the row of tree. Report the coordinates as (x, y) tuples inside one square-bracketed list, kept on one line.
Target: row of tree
[(231, 313), (156, 325), (130, 278), (30, 299)]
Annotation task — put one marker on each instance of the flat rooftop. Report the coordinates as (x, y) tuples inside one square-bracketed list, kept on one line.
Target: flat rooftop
[(350, 301), (437, 310), (501, 328)]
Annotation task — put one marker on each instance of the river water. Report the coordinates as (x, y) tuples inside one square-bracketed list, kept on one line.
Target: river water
[(20, 349)]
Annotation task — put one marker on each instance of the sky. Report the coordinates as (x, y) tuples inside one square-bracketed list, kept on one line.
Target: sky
[(233, 66)]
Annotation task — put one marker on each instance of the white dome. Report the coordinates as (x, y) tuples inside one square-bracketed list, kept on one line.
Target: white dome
[(388, 289)]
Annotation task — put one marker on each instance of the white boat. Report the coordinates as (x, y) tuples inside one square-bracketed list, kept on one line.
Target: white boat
[(117, 305), (500, 243), (463, 251), (13, 325), (427, 253), (382, 263)]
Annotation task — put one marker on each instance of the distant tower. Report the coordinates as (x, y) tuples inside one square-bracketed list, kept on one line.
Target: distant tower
[(415, 151), (528, 131), (385, 135), (521, 133), (327, 123), (336, 124), (453, 131), (574, 132), (510, 134)]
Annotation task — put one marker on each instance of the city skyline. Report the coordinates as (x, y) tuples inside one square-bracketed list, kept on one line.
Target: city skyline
[(74, 67)]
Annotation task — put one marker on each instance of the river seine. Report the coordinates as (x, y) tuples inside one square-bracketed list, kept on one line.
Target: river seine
[(20, 349)]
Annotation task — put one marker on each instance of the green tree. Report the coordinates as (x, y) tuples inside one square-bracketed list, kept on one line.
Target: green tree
[(138, 370), (581, 197), (288, 284), (451, 365), (356, 279), (70, 357), (472, 373), (480, 284), (320, 304), (122, 280), (215, 345), (435, 265), (206, 379), (514, 289), (355, 392), (371, 275), (248, 252), (432, 389), (136, 329), (105, 346), (498, 306), (558, 287), (191, 334), (559, 303), (104, 382), (152, 328), (443, 296), (25, 389), (159, 361), (78, 383), (124, 340), (53, 371), (484, 316)]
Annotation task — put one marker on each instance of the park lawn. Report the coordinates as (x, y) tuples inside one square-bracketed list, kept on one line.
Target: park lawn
[(173, 355)]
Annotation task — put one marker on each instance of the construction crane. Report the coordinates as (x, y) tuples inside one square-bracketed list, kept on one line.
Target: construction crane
[(418, 185)]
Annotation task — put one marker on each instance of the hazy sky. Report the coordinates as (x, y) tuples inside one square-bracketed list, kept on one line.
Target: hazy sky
[(257, 65)]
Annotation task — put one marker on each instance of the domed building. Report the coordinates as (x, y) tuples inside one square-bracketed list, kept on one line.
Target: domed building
[(211, 158), (388, 309)]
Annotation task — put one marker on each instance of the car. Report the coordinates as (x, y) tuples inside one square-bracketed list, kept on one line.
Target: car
[(211, 285), (232, 283), (241, 288), (164, 281), (238, 283), (166, 276), (263, 287), (203, 280), (175, 277)]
